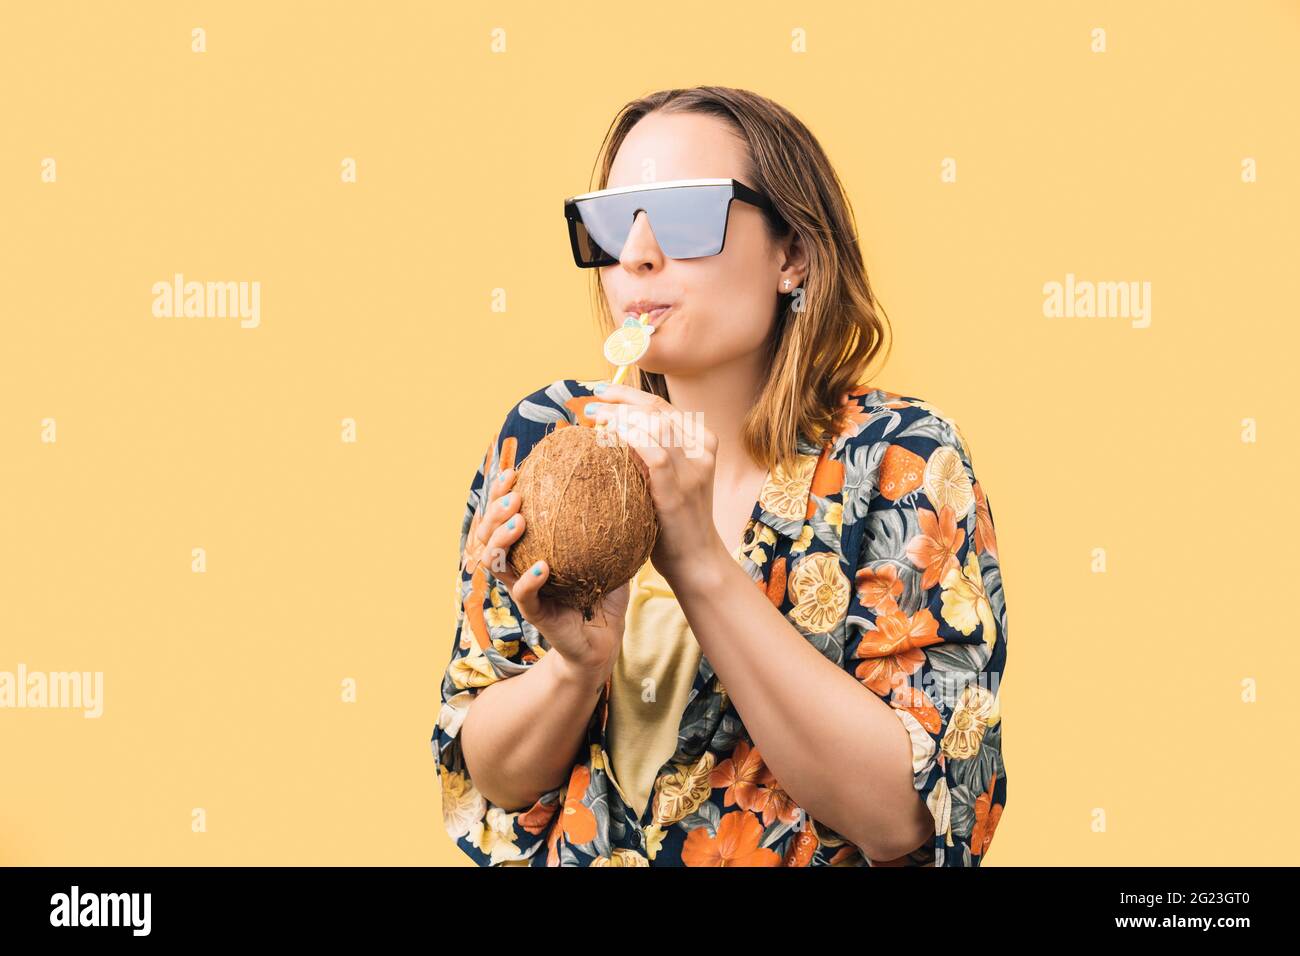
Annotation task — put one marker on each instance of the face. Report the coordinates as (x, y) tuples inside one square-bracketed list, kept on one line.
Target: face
[(722, 307)]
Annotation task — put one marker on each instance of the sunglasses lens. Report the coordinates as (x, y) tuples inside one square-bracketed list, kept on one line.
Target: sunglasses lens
[(601, 229), (687, 222), (691, 221)]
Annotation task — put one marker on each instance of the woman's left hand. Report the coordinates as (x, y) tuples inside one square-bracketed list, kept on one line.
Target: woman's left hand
[(679, 453)]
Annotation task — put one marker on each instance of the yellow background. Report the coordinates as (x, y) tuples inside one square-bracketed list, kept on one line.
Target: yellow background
[(329, 560)]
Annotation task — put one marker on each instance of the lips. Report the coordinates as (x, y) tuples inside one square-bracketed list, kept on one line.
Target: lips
[(656, 310)]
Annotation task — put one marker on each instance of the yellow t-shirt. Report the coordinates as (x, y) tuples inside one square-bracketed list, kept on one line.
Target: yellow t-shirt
[(649, 687)]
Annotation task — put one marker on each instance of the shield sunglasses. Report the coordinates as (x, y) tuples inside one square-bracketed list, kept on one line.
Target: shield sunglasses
[(688, 217)]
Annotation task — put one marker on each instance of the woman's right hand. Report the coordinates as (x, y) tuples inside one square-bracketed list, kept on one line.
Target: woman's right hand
[(588, 649)]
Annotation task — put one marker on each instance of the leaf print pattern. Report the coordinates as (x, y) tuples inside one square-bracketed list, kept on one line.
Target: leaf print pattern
[(879, 548)]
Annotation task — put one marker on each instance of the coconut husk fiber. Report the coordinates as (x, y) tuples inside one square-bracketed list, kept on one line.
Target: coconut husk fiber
[(585, 498)]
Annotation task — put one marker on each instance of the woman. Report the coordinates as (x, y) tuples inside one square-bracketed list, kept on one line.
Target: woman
[(820, 632)]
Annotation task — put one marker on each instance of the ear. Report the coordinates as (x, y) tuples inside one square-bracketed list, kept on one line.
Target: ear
[(795, 267)]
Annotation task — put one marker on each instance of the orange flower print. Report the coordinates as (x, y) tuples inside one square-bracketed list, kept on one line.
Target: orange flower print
[(775, 588), (897, 632), (879, 587), (538, 817), (935, 548), (847, 855), (744, 775), (882, 675), (469, 558), (987, 815), (775, 804), (851, 416), (553, 845), (827, 479), (474, 610), (917, 702), (751, 786), (472, 556), (578, 820), (735, 845), (576, 406)]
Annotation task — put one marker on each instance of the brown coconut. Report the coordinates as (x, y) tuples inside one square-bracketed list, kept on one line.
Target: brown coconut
[(585, 498)]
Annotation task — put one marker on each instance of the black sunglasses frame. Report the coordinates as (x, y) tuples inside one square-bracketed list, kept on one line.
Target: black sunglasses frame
[(738, 191)]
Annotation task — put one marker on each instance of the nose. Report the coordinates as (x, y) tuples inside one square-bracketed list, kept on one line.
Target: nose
[(641, 247)]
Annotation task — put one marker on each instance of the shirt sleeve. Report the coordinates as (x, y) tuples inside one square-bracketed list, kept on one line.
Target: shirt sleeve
[(492, 642), (927, 632)]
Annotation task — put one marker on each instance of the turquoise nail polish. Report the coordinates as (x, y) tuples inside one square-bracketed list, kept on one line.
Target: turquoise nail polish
[(537, 569), (590, 408), (600, 388), (511, 524), (505, 502)]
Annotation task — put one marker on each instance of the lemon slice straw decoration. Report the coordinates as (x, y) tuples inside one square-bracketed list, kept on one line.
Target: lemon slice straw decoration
[(626, 344)]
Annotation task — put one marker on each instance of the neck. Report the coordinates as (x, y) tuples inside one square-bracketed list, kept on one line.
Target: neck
[(723, 396)]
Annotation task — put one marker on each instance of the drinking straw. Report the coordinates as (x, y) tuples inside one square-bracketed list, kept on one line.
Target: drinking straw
[(618, 376)]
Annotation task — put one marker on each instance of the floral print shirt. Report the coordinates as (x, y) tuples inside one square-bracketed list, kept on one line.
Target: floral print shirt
[(879, 549)]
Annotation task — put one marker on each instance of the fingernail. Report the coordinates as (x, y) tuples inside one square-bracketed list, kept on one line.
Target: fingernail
[(505, 502), (511, 524), (600, 388), (590, 408), (537, 568)]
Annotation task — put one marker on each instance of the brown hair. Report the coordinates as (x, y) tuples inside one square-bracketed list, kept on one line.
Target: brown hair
[(822, 349)]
